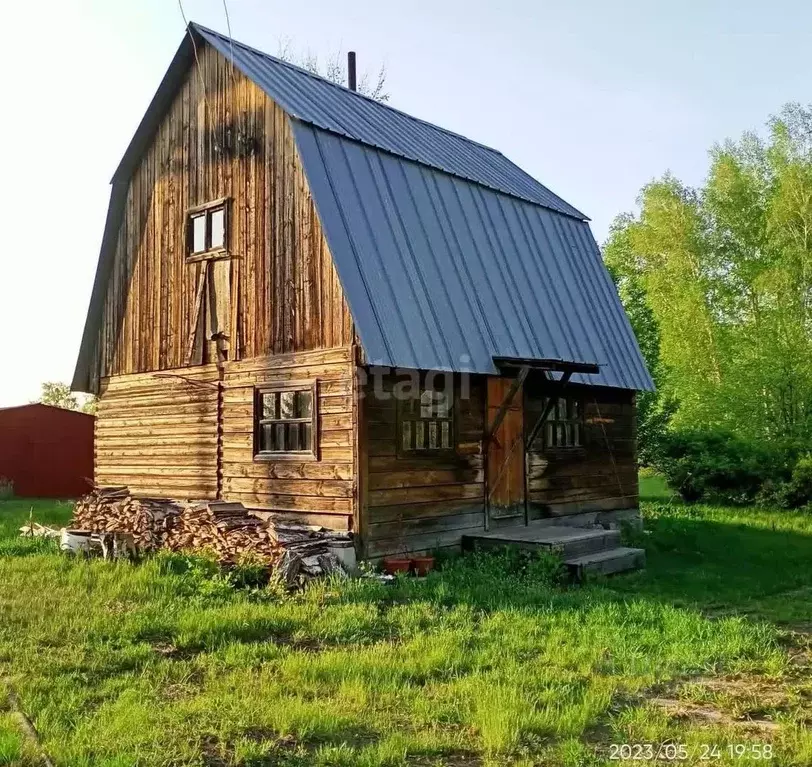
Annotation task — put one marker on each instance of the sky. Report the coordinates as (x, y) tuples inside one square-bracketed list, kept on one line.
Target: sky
[(594, 98)]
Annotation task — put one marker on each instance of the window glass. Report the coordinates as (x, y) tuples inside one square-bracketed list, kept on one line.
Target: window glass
[(426, 422), (426, 402), (199, 233), (269, 409), (284, 421), (287, 404), (419, 435), (304, 404), (433, 435), (218, 228), (266, 442), (563, 425)]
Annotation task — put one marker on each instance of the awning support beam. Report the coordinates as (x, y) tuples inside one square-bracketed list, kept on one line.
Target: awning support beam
[(560, 385), (556, 366)]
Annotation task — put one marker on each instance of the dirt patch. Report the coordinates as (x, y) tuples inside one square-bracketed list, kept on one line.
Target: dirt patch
[(171, 652), (746, 701), (797, 641), (699, 713), (462, 759)]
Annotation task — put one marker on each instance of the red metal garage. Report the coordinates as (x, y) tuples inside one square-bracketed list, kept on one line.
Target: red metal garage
[(47, 452)]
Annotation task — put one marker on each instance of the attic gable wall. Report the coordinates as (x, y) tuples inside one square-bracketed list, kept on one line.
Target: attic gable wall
[(227, 139)]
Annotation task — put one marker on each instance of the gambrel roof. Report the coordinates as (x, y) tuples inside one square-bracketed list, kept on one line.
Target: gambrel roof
[(450, 256)]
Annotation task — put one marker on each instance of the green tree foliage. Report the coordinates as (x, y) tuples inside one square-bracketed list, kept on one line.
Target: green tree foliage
[(58, 394), (656, 408), (726, 272)]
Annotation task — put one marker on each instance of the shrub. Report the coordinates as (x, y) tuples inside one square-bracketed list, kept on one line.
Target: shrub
[(711, 464), (792, 493)]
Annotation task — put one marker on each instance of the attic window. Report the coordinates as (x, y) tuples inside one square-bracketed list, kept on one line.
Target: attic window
[(207, 229)]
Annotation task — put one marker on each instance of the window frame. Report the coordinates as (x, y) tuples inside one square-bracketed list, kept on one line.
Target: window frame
[(207, 209), (402, 417), (277, 388), (554, 420)]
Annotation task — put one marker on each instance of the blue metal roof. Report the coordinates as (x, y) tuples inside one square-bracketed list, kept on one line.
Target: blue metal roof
[(333, 107), (449, 254), (444, 274)]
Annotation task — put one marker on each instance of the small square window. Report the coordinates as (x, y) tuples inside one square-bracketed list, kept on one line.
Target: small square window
[(426, 422), (562, 428), (207, 229), (285, 422)]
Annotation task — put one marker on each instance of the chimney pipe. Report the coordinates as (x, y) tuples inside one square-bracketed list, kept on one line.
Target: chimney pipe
[(351, 81)]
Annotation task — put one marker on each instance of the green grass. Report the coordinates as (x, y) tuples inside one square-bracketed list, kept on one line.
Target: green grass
[(482, 663)]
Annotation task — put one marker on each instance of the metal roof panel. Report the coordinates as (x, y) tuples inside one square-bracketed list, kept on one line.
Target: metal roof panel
[(445, 274), (333, 107)]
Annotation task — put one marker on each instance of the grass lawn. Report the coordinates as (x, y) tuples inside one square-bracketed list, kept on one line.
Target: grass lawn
[(484, 663)]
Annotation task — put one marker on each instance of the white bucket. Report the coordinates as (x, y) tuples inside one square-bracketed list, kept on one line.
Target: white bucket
[(344, 551), (75, 541)]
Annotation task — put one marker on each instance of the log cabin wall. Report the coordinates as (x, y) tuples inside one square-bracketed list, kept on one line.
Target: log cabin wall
[(157, 434), (222, 137), (601, 474), (411, 503), (319, 491), (419, 503)]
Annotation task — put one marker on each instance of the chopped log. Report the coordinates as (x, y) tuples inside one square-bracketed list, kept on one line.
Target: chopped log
[(226, 529)]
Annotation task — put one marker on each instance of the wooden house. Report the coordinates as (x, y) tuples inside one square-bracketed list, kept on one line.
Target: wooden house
[(324, 308)]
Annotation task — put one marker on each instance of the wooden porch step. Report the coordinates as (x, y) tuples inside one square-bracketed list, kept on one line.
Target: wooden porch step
[(615, 560), (567, 542)]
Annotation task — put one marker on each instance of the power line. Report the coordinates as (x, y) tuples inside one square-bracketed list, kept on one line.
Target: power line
[(230, 37)]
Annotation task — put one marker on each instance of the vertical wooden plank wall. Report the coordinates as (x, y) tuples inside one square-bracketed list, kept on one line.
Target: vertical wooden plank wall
[(227, 139), (161, 434)]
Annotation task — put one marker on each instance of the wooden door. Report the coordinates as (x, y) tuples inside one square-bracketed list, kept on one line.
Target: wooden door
[(506, 451)]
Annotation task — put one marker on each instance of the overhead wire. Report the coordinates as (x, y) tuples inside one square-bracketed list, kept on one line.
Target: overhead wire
[(230, 37)]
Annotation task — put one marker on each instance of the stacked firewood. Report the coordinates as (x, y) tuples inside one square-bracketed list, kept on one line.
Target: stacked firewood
[(227, 529), (115, 510), (307, 549)]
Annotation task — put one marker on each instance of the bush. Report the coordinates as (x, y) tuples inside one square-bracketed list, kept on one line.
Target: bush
[(791, 493), (715, 465)]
